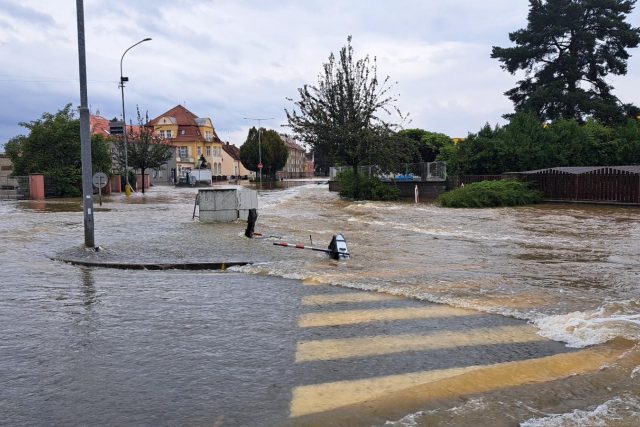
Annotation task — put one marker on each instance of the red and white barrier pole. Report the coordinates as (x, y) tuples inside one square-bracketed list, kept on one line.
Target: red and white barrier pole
[(301, 246), (337, 248)]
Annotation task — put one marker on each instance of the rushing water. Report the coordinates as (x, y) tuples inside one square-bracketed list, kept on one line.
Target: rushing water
[(569, 270)]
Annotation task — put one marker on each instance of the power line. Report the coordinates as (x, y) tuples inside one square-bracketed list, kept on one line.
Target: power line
[(57, 81)]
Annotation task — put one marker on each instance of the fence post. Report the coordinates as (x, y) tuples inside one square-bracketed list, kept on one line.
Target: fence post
[(36, 187), (116, 184)]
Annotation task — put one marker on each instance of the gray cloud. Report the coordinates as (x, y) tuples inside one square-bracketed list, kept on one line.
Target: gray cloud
[(25, 13), (231, 59)]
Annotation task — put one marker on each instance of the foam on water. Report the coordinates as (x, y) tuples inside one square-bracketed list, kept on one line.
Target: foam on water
[(271, 199), (414, 420), (577, 329), (624, 409), (582, 329)]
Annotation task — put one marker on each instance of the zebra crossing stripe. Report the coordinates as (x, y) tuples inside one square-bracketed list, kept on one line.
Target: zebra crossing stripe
[(407, 392), (332, 349), (329, 299), (351, 317)]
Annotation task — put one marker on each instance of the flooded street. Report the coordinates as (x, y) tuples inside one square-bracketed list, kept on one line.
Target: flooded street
[(515, 316)]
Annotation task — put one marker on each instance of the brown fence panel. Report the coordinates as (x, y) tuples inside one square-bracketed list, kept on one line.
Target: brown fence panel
[(603, 185), (555, 186), (609, 186)]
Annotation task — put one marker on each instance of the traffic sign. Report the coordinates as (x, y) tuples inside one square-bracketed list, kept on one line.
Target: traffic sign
[(259, 165), (100, 179)]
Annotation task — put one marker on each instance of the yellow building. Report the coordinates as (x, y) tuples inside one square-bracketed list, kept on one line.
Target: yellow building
[(192, 136), (231, 164)]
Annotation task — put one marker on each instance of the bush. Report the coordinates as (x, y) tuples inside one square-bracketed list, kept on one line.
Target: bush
[(485, 194), (371, 188)]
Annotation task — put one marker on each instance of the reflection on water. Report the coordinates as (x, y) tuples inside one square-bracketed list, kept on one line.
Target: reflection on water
[(88, 287), (59, 205), (572, 271)]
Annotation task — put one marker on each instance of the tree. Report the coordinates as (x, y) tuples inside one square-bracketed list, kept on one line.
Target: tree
[(273, 152), (144, 150), (567, 50), (429, 143), (53, 147), (340, 116), (526, 143)]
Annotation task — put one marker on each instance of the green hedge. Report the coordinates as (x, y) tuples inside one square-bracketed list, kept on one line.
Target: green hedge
[(369, 188), (485, 194)]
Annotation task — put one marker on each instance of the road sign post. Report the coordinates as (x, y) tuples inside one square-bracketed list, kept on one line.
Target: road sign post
[(100, 180)]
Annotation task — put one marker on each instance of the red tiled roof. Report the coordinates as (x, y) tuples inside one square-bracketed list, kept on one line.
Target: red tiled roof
[(99, 125), (183, 117), (291, 143), (188, 129), (232, 150)]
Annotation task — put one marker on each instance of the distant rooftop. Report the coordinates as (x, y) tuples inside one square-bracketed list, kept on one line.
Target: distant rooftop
[(291, 143)]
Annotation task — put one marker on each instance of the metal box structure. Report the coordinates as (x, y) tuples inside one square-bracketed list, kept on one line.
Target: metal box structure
[(226, 204)]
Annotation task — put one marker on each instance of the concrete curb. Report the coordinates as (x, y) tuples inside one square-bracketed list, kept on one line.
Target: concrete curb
[(156, 266)]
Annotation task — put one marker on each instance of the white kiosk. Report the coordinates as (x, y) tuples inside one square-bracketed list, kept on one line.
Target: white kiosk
[(226, 204)]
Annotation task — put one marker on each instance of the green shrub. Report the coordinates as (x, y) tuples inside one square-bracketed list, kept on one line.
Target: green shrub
[(370, 188), (507, 192)]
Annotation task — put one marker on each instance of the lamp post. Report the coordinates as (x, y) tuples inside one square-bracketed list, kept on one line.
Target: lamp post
[(259, 147), (123, 79), (85, 134)]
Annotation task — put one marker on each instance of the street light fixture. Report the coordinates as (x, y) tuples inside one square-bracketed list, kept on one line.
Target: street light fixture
[(124, 119), (259, 147)]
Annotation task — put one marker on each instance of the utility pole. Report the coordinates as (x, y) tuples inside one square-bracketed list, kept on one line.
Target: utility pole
[(85, 135), (123, 79), (259, 147)]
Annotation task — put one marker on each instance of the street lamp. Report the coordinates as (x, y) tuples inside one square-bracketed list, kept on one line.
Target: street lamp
[(124, 119), (259, 147)]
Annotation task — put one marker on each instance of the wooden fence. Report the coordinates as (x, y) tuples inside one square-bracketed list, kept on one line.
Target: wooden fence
[(603, 185)]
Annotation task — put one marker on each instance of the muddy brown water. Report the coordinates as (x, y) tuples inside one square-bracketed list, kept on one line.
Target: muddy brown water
[(537, 318)]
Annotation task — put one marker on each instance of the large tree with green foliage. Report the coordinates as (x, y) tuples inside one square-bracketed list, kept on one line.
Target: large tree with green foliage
[(270, 148), (567, 50), (144, 149), (525, 143), (428, 143), (340, 116), (52, 148)]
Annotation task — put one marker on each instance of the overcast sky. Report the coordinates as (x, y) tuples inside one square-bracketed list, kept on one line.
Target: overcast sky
[(232, 59)]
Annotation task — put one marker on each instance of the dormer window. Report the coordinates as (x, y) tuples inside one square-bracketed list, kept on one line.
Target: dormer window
[(182, 132)]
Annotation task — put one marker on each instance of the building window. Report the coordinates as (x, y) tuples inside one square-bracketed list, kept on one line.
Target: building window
[(208, 151), (182, 132), (162, 134), (169, 134), (199, 151), (184, 151)]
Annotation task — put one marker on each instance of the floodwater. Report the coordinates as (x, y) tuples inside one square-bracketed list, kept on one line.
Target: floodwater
[(516, 316)]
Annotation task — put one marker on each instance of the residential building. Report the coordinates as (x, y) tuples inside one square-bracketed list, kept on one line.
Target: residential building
[(310, 165), (231, 164), (6, 169), (99, 125), (193, 138), (296, 166)]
